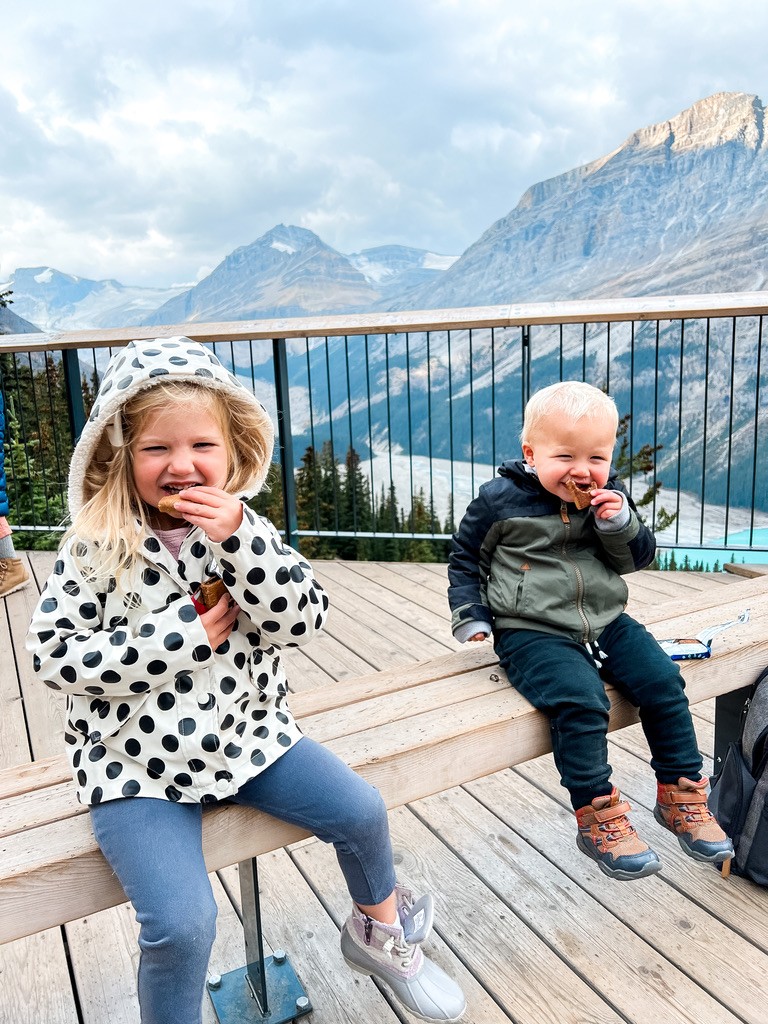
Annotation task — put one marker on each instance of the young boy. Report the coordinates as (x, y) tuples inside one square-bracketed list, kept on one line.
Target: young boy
[(538, 561)]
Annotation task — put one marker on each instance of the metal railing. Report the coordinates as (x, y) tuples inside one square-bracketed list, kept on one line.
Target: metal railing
[(388, 424)]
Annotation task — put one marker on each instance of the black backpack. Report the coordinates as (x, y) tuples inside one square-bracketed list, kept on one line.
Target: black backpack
[(739, 797)]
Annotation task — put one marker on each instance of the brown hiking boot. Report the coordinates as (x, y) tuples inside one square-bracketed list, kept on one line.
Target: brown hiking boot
[(607, 836), (682, 808), (13, 576)]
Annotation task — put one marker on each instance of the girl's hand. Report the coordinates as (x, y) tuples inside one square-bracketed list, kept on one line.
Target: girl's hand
[(607, 503), (217, 513), (219, 620)]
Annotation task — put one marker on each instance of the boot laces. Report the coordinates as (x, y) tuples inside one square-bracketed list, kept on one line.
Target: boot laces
[(402, 950), (618, 828), (698, 814)]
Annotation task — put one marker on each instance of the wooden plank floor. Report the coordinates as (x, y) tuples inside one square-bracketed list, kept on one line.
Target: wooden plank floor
[(531, 929)]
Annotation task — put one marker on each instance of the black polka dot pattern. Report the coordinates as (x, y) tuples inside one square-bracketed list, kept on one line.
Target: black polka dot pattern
[(153, 710)]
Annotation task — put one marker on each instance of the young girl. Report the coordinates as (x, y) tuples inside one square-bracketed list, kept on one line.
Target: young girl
[(171, 705)]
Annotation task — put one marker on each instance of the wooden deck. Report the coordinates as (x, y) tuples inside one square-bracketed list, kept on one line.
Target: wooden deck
[(531, 929)]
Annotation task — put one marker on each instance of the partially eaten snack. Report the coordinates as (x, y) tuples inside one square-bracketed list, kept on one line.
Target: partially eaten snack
[(581, 493), (168, 505), (211, 591)]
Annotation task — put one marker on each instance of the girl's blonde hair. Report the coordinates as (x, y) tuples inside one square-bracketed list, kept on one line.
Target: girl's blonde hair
[(113, 519), (568, 399)]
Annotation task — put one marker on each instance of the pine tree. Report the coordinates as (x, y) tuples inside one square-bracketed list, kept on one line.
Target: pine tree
[(269, 501), (387, 549), (356, 513), (33, 500), (39, 441), (308, 502), (421, 520)]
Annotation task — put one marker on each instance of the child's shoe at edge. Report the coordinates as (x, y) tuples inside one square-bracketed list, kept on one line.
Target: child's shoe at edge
[(682, 808), (608, 837), (383, 952), (13, 576)]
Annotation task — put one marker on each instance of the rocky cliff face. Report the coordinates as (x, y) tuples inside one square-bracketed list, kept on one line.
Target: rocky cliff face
[(10, 323), (680, 206)]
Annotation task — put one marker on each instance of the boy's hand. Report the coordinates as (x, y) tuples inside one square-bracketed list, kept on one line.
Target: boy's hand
[(217, 513), (607, 503), (219, 620), (476, 636)]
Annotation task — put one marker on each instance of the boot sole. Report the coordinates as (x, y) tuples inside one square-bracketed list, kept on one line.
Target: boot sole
[(12, 590), (385, 981), (620, 874), (717, 858)]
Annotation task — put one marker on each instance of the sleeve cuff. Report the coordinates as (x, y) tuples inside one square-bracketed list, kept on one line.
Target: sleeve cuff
[(467, 629), (617, 522)]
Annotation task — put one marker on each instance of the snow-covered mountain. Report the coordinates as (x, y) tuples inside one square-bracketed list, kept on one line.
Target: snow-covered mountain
[(287, 272), (679, 207), (396, 270), (55, 301), (291, 272)]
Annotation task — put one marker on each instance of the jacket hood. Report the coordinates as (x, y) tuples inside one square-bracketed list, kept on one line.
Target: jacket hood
[(516, 470), (140, 365)]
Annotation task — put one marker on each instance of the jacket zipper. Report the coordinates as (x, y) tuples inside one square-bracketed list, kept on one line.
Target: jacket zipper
[(576, 571)]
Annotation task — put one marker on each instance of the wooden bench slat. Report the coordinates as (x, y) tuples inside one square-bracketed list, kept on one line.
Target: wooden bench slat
[(39, 807), (25, 778), (461, 725)]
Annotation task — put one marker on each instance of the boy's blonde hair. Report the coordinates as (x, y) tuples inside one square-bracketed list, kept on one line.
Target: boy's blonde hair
[(112, 506), (569, 399)]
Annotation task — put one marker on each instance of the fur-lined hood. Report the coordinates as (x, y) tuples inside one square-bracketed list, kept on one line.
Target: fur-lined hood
[(140, 365)]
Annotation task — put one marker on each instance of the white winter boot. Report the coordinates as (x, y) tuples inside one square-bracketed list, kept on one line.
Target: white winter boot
[(392, 954)]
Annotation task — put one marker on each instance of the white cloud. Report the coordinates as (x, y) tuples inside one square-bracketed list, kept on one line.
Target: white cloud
[(147, 141)]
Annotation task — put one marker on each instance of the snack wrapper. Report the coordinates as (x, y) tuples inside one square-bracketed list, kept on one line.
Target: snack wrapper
[(699, 646)]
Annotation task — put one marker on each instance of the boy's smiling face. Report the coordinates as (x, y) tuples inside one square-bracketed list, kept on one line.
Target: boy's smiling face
[(578, 450)]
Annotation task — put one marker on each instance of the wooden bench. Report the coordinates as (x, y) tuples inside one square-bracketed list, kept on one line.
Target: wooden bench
[(412, 731)]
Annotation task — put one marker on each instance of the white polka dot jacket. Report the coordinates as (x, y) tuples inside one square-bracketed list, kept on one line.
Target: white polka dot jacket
[(151, 709)]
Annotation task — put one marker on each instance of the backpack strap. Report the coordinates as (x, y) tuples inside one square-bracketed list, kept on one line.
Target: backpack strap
[(754, 748), (753, 727)]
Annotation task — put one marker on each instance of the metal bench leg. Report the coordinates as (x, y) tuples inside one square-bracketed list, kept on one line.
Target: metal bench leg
[(266, 990)]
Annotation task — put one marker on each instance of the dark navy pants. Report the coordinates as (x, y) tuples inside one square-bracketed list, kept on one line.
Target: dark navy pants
[(559, 677)]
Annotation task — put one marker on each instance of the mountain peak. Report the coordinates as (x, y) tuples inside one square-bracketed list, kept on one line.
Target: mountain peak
[(714, 121)]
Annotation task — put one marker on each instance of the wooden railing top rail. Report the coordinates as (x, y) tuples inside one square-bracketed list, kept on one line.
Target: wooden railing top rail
[(672, 307)]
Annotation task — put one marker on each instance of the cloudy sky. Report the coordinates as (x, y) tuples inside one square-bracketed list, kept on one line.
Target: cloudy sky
[(145, 141)]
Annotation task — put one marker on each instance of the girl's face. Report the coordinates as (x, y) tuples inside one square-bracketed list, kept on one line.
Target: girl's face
[(579, 450), (175, 450)]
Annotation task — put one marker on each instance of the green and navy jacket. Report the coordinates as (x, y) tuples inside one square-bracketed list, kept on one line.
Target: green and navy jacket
[(523, 559)]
